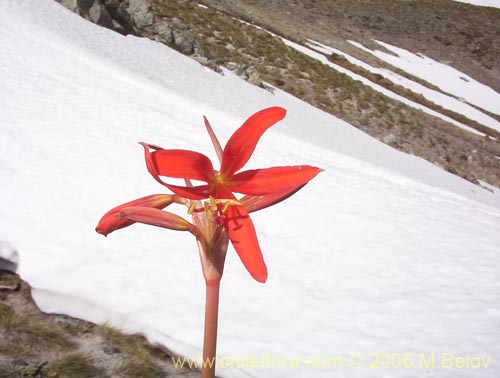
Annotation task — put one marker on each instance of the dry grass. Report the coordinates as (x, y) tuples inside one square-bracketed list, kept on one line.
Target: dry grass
[(140, 356), (38, 345), (23, 334), (74, 365)]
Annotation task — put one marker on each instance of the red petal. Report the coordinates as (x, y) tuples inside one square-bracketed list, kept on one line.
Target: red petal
[(213, 138), (197, 192), (183, 164), (255, 203), (194, 193), (241, 232), (111, 221), (159, 218), (242, 143), (272, 180)]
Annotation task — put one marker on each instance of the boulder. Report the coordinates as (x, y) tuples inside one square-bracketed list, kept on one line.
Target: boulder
[(140, 11)]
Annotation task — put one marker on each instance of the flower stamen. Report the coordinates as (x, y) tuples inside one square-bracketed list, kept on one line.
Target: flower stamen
[(211, 206), (192, 207)]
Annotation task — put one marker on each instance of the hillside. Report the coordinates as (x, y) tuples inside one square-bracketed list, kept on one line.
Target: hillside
[(38, 345), (382, 253), (215, 35)]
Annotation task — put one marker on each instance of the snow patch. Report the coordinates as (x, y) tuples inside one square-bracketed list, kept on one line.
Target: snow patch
[(456, 105), (482, 3), (447, 78), (322, 58)]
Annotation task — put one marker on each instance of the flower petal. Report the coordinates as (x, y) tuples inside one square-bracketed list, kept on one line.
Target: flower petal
[(183, 164), (159, 218), (242, 143), (241, 232), (272, 180), (255, 203), (111, 221), (213, 138), (196, 193)]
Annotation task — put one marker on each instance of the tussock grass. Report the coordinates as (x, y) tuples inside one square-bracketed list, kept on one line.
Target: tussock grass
[(25, 333), (38, 345), (131, 344), (74, 365), (140, 367), (139, 354), (14, 349)]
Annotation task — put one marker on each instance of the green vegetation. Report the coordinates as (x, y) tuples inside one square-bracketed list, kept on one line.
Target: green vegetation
[(140, 356), (74, 365), (22, 334), (140, 368), (38, 345), (224, 39)]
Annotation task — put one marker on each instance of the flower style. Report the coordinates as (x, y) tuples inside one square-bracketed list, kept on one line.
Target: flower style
[(221, 216)]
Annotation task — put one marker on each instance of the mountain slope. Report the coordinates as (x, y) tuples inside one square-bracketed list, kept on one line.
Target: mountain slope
[(465, 36), (358, 83), (382, 252)]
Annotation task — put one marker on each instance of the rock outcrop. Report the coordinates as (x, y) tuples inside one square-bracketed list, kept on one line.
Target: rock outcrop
[(134, 17)]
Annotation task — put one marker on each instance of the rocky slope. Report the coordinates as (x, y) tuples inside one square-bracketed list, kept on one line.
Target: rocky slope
[(38, 345), (213, 33)]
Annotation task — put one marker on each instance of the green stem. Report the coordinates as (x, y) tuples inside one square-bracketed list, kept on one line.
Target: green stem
[(210, 337)]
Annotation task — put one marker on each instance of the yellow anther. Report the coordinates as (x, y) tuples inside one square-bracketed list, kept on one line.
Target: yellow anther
[(226, 205), (229, 203), (207, 208), (191, 207), (211, 205)]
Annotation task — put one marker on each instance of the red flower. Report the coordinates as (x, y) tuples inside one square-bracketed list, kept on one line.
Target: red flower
[(112, 221), (220, 184), (262, 187)]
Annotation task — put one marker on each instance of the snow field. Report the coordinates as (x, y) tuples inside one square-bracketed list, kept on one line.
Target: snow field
[(382, 252)]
